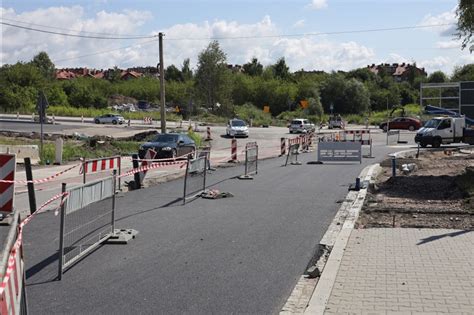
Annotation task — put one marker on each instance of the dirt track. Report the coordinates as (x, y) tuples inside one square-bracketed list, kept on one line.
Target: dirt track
[(438, 193)]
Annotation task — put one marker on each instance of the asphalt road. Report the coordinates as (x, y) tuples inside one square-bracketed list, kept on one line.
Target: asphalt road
[(236, 255), (23, 126)]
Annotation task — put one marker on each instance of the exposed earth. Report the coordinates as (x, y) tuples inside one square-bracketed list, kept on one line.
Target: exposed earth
[(437, 193)]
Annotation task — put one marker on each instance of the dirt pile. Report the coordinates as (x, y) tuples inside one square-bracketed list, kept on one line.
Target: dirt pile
[(437, 193)]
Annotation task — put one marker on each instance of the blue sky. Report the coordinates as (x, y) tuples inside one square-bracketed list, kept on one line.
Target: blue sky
[(267, 21)]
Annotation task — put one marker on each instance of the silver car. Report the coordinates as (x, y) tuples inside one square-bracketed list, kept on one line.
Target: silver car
[(237, 128), (109, 119), (301, 125)]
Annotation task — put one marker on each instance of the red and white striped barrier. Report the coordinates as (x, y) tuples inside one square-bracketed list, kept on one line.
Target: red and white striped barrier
[(147, 120), (7, 186), (282, 146), (99, 165), (208, 134), (357, 136), (233, 151)]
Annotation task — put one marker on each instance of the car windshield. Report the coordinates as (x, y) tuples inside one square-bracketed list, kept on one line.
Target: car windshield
[(237, 123), (433, 123), (296, 122), (166, 138)]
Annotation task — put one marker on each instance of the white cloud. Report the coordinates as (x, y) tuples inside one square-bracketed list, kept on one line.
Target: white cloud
[(299, 23), (448, 17), (318, 4), (21, 45), (451, 44)]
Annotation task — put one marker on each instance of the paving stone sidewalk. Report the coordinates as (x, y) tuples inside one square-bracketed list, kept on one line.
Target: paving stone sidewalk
[(405, 271)]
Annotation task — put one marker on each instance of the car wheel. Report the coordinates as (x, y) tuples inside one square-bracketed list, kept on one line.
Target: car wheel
[(436, 143), (97, 121), (411, 128), (423, 145), (114, 122), (385, 128)]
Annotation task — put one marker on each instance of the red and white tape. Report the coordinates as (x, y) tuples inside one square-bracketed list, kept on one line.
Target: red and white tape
[(152, 166), (37, 181)]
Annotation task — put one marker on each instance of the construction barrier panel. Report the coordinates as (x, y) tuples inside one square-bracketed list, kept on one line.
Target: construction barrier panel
[(195, 178), (7, 189), (87, 220), (101, 165), (358, 136), (12, 270), (206, 152), (346, 151), (251, 160), (292, 156)]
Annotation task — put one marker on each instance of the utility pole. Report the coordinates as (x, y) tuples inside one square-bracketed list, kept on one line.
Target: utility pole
[(162, 85)]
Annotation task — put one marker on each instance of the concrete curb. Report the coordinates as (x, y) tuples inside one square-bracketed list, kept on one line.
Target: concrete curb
[(313, 289)]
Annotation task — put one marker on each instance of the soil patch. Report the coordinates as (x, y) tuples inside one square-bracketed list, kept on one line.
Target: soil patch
[(434, 191)]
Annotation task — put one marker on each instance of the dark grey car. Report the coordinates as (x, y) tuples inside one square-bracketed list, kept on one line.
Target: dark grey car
[(169, 145)]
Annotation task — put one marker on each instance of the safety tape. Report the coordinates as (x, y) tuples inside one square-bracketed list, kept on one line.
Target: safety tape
[(17, 244), (152, 166), (37, 181)]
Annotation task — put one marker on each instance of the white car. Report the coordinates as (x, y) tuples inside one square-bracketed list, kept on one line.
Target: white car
[(301, 125), (237, 128), (109, 119)]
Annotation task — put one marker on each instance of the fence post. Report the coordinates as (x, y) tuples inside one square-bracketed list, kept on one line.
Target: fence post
[(120, 173), (31, 186), (394, 166), (136, 176), (113, 200), (84, 165), (61, 235)]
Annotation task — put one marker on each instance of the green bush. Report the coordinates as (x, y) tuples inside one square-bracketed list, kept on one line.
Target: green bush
[(249, 112), (196, 137)]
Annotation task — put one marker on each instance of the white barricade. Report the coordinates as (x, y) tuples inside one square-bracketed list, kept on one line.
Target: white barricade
[(346, 151)]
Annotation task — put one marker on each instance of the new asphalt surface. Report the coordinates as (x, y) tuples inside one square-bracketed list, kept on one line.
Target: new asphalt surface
[(235, 255)]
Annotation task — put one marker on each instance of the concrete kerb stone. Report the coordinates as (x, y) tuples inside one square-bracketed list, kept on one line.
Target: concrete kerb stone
[(313, 289)]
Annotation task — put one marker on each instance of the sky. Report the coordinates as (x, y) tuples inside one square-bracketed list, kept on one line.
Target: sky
[(310, 34)]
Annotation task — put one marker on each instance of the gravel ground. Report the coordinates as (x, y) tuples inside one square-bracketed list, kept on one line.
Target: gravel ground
[(438, 193)]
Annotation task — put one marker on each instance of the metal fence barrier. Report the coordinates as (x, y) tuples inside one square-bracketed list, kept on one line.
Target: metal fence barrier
[(251, 160), (87, 220), (346, 151), (195, 178), (393, 137), (292, 156)]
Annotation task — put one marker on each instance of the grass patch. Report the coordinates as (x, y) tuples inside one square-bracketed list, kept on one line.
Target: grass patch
[(73, 150)]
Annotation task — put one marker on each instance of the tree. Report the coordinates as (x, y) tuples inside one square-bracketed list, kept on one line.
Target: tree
[(173, 74), (465, 24), (356, 97), (281, 70), (213, 79), (464, 73), (253, 68), (186, 71), (437, 77), (44, 64), (315, 107)]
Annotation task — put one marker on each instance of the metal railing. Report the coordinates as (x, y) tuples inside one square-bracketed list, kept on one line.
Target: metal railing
[(87, 220), (251, 158), (293, 153), (195, 178)]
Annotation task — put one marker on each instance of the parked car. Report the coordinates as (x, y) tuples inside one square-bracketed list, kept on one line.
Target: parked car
[(169, 145), (407, 123), (301, 125), (109, 119), (336, 121), (236, 128)]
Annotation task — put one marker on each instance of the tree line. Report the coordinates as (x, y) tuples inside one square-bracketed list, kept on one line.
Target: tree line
[(215, 88)]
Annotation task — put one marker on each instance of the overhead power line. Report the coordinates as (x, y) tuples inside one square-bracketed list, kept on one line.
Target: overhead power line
[(317, 34), (68, 30), (122, 37), (114, 37)]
